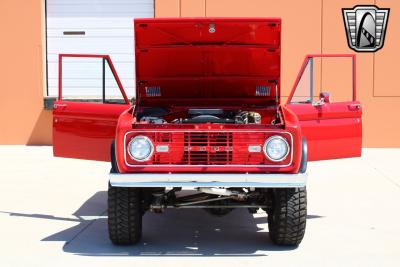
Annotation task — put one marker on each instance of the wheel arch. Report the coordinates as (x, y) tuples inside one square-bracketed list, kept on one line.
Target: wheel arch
[(304, 155)]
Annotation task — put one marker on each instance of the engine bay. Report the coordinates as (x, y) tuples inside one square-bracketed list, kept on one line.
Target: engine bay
[(157, 115)]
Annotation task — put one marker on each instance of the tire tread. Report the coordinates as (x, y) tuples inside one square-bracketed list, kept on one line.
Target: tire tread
[(287, 218), (124, 215)]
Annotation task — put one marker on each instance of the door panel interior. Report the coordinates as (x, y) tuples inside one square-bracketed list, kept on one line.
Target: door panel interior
[(85, 130), (332, 129)]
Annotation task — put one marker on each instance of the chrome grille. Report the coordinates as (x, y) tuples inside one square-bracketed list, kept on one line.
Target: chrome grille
[(202, 148)]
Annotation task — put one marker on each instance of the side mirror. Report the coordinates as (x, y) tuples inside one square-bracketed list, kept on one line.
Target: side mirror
[(324, 97)]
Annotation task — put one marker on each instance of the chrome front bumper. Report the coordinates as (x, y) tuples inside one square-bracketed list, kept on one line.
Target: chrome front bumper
[(194, 180)]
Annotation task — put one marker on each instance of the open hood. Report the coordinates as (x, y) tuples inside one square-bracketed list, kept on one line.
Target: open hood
[(207, 61)]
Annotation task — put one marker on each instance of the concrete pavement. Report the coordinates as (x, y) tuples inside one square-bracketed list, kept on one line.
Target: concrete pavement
[(53, 213)]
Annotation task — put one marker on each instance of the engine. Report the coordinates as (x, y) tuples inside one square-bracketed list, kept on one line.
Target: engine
[(196, 116)]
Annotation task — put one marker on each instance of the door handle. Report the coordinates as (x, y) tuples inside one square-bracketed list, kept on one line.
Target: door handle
[(354, 106), (318, 103), (59, 105)]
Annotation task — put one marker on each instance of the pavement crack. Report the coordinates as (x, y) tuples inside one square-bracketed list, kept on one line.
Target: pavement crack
[(83, 229), (384, 175)]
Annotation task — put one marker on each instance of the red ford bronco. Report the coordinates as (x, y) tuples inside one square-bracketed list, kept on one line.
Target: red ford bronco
[(208, 118)]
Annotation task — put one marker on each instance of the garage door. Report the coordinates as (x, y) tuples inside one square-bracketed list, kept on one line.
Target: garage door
[(92, 27)]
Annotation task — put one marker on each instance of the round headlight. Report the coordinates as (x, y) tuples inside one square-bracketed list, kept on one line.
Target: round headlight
[(276, 148), (140, 148)]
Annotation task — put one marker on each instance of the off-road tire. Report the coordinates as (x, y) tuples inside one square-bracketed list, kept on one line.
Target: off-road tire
[(124, 215), (287, 216)]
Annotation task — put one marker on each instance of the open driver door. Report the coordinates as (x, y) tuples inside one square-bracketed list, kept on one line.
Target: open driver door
[(85, 129), (330, 120)]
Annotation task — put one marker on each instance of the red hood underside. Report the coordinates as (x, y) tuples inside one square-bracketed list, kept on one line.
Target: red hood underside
[(207, 61)]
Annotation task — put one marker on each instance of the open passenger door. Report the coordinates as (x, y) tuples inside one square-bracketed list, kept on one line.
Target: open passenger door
[(331, 126), (84, 129)]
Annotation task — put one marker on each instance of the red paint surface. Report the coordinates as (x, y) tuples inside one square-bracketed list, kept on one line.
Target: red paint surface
[(189, 63), (332, 131), (85, 130)]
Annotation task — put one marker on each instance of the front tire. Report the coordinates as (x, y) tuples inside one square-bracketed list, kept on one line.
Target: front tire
[(287, 216), (124, 215)]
